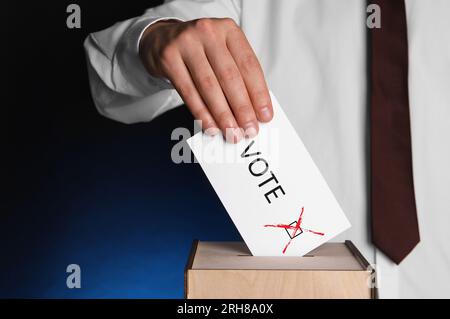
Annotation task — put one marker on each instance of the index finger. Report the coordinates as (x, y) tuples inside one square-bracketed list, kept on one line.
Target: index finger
[(251, 73)]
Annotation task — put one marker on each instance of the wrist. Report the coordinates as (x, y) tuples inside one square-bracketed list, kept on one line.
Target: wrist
[(150, 43)]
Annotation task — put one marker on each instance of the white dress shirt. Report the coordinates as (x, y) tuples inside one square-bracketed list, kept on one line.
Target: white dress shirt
[(313, 53)]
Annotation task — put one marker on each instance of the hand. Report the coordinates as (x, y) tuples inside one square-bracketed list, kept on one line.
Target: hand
[(212, 66)]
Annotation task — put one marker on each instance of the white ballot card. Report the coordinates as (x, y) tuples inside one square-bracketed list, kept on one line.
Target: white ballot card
[(271, 188)]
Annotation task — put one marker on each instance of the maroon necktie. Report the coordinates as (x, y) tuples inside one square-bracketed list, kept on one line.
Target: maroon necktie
[(395, 229)]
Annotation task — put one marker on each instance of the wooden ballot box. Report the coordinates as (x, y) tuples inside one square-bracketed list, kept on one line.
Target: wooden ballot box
[(228, 270)]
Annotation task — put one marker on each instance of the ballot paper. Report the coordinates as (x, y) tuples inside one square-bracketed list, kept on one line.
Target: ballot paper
[(271, 188)]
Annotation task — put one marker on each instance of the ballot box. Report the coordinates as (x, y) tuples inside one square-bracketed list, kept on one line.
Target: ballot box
[(228, 270)]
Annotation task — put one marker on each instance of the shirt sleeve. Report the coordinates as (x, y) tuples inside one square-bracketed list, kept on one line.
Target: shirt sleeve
[(121, 87)]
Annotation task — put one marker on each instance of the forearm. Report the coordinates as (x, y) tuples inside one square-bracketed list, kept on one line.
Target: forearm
[(121, 85)]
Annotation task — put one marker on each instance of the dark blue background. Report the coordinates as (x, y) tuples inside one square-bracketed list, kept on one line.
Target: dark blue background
[(82, 189)]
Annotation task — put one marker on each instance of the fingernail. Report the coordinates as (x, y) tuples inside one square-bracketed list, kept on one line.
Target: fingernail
[(237, 135), (212, 131), (250, 130), (266, 113), (233, 135)]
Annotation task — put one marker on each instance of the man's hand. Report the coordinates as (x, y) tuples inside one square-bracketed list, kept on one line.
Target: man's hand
[(212, 66)]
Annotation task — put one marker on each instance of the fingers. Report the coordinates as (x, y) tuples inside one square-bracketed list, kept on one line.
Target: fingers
[(233, 86), (252, 74), (215, 71), (178, 74), (211, 92)]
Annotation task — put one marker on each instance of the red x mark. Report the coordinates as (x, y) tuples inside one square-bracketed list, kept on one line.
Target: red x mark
[(296, 228)]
